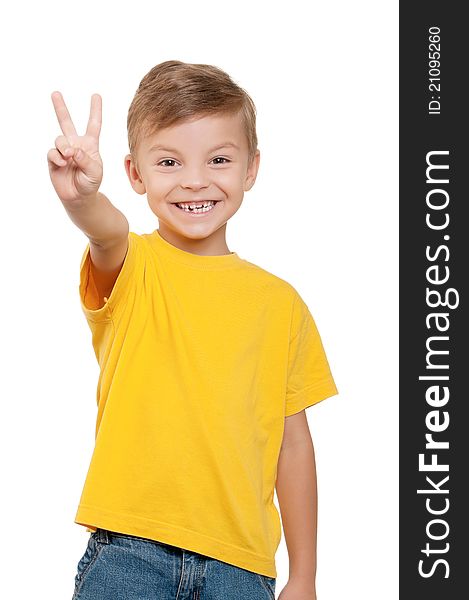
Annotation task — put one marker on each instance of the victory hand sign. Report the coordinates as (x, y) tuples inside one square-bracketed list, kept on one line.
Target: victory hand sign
[(75, 166)]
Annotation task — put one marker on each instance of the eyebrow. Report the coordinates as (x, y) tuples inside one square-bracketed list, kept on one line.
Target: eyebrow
[(224, 145)]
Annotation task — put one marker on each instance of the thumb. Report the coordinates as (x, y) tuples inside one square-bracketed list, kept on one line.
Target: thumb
[(80, 157), (84, 161)]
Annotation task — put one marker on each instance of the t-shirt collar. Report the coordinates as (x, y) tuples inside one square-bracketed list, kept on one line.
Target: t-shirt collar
[(217, 261)]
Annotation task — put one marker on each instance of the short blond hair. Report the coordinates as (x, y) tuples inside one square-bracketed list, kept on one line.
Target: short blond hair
[(174, 91)]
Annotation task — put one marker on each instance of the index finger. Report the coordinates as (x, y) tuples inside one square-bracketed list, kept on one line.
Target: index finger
[(63, 116), (94, 122)]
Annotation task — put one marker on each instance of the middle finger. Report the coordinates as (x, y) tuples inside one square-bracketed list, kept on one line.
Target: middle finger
[(63, 116)]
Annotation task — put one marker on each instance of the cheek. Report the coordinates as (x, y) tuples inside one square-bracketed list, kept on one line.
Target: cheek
[(161, 185), (231, 180)]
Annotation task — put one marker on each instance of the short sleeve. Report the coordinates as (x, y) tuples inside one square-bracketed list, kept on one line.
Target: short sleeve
[(132, 267), (309, 376)]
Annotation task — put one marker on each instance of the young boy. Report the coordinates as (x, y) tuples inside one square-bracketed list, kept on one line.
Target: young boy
[(207, 361)]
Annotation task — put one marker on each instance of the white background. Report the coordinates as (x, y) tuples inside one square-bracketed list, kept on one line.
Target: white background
[(322, 215)]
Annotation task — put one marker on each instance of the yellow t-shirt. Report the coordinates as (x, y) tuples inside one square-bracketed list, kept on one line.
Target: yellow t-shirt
[(201, 359)]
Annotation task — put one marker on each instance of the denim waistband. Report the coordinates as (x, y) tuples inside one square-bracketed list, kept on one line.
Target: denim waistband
[(105, 536), (102, 535)]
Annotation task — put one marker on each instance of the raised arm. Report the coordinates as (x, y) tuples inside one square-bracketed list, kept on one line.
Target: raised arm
[(76, 172)]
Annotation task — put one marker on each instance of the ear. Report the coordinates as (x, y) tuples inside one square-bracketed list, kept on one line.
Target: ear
[(133, 174), (251, 172)]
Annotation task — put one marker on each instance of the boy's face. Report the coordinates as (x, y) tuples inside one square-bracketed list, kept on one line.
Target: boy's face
[(190, 162)]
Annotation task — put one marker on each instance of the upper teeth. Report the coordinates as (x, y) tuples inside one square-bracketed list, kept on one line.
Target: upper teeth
[(199, 205)]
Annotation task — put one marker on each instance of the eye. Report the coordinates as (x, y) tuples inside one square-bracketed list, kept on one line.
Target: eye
[(171, 160), (165, 161)]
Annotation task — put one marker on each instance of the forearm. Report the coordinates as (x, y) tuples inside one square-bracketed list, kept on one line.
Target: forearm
[(297, 494), (99, 220)]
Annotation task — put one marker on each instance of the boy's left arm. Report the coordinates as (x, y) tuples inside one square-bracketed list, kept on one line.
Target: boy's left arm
[(296, 488)]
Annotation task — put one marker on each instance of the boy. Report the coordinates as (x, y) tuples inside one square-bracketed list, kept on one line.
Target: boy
[(207, 360)]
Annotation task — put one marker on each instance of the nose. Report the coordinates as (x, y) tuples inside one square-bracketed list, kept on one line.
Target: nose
[(194, 178)]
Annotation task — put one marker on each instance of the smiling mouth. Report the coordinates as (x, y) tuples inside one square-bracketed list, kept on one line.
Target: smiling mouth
[(197, 207)]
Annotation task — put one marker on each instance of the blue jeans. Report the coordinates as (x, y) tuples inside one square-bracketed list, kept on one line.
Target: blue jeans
[(117, 566)]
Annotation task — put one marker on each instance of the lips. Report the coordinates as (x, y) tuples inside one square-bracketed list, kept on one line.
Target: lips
[(202, 201)]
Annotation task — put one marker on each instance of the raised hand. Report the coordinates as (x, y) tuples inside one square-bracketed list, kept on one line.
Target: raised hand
[(75, 166)]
